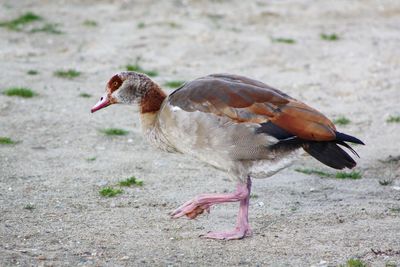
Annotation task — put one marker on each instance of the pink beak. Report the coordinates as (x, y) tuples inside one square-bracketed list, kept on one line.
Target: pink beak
[(103, 102)]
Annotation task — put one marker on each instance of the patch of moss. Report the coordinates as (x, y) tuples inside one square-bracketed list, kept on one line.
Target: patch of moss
[(341, 121), (355, 263), (85, 95), (90, 23), (6, 141), (29, 206), (32, 72), (91, 159), (19, 91), (141, 25), (110, 192), (354, 175), (17, 23), (131, 181), (395, 210), (68, 74), (114, 131), (339, 175), (390, 264), (284, 40), (329, 37), (173, 24), (393, 119), (385, 182)]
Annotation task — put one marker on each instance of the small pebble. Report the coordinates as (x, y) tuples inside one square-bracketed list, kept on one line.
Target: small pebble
[(41, 257)]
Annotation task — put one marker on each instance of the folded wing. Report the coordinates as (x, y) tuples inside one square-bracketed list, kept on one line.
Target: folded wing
[(245, 100)]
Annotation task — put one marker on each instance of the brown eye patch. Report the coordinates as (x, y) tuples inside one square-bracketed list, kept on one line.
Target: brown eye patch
[(114, 83)]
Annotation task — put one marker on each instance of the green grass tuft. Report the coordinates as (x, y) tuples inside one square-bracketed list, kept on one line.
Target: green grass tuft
[(339, 175), (137, 68), (316, 172), (393, 119), (90, 23), (130, 181), (253, 196), (6, 141), (390, 264), (355, 263), (173, 24), (284, 40), (354, 175), (18, 23), (385, 182), (131, 67), (32, 72), (329, 37), (114, 131), (141, 25), (341, 121), (91, 159), (29, 206), (47, 28), (110, 192), (19, 91), (86, 95), (174, 84), (395, 210), (68, 74)]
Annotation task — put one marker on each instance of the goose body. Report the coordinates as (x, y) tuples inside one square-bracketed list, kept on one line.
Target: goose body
[(232, 147), (238, 125)]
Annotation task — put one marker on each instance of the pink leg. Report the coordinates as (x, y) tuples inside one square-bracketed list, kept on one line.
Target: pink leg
[(199, 204)]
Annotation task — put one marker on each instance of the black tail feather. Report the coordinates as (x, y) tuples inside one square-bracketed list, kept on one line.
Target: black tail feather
[(348, 138), (348, 147), (329, 153)]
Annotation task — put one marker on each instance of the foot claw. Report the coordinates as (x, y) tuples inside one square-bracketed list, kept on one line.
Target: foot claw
[(191, 209)]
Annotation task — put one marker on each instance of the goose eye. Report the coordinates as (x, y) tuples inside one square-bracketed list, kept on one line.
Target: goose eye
[(115, 84)]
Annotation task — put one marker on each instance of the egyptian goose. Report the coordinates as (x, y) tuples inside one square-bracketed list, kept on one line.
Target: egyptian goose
[(239, 125)]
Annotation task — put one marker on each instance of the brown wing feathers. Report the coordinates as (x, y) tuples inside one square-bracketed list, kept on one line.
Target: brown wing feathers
[(220, 92), (246, 100), (305, 122)]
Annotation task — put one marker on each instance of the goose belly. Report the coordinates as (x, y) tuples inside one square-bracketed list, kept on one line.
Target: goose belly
[(269, 167), (219, 141)]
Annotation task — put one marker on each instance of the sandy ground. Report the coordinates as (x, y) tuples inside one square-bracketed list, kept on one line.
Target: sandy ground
[(298, 219)]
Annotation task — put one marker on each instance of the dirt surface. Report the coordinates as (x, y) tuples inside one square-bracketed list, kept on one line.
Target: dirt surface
[(51, 211)]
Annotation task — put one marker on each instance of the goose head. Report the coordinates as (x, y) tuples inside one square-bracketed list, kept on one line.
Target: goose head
[(124, 88)]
